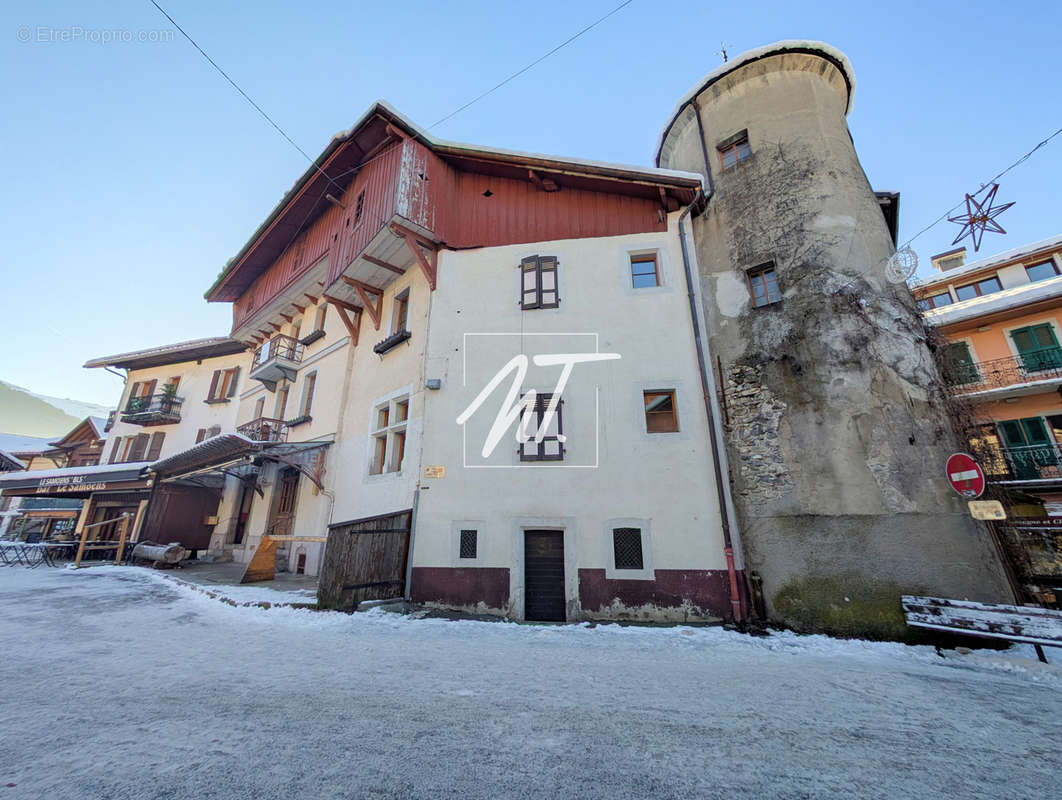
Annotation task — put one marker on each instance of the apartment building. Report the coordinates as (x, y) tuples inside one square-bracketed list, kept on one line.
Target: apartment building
[(381, 296), (1000, 321)]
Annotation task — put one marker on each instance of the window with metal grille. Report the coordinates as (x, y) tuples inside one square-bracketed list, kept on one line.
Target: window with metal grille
[(551, 448), (468, 543), (764, 285), (627, 547), (538, 282)]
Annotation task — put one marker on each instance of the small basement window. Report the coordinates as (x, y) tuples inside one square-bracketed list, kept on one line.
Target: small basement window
[(764, 285), (468, 543), (734, 150), (627, 548)]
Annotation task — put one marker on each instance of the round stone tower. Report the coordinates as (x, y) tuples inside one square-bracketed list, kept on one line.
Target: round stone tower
[(837, 432)]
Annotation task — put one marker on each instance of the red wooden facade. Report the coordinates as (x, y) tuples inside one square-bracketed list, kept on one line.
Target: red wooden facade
[(462, 197)]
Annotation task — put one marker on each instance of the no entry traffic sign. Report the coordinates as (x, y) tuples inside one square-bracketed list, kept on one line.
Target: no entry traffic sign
[(965, 476)]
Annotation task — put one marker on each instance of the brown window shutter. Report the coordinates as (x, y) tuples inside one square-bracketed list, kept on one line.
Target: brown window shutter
[(139, 448), (529, 283), (234, 381), (114, 450), (156, 445), (548, 292), (214, 384), (150, 389), (200, 435)]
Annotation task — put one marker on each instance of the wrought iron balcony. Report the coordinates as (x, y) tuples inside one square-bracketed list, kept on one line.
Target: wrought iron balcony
[(110, 420), (276, 358), (264, 429), (1032, 463), (153, 409), (978, 376)]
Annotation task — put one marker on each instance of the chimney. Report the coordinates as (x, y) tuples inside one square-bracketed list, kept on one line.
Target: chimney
[(953, 259)]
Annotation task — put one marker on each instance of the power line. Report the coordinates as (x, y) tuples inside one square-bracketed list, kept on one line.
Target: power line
[(534, 63), (990, 181), (246, 96)]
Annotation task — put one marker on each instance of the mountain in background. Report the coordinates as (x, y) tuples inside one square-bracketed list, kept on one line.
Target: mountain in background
[(29, 414)]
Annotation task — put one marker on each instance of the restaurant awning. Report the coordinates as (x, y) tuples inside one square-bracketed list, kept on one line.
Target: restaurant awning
[(79, 482), (226, 453)]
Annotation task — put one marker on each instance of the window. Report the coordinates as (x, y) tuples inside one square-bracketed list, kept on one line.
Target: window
[(734, 150), (971, 290), (319, 319), (538, 282), (259, 408), (660, 414), (1041, 271), (551, 448), (1037, 347), (223, 384), (627, 548), (644, 272), (468, 543), (200, 435), (282, 403), (400, 317), (389, 436), (359, 206), (296, 328), (307, 394), (175, 382), (764, 286), (959, 366), (935, 301)]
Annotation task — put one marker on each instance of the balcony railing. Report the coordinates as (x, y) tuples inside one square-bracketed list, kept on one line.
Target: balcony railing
[(111, 416), (153, 409), (1030, 463), (264, 429), (286, 347), (1002, 372)]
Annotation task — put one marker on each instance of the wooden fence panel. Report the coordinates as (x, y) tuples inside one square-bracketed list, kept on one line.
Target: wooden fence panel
[(365, 560)]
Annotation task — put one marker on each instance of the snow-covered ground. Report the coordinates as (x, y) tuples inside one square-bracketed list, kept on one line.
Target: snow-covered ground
[(118, 683)]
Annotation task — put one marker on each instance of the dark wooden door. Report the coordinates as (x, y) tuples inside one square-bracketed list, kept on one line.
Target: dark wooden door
[(544, 576), (284, 516)]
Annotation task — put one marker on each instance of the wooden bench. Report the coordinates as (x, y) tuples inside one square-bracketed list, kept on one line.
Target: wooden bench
[(1033, 625)]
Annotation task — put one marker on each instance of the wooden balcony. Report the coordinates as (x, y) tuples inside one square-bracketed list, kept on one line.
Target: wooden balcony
[(1025, 373), (153, 409), (264, 429), (275, 359)]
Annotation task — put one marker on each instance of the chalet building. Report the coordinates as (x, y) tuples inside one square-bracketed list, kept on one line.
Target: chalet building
[(44, 517), (1000, 319), (174, 397), (380, 298)]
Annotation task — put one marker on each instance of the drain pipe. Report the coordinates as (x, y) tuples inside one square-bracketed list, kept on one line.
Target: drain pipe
[(737, 600)]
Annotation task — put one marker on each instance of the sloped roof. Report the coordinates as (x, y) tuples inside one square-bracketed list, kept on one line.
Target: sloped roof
[(1051, 243), (232, 281), (17, 443), (192, 350)]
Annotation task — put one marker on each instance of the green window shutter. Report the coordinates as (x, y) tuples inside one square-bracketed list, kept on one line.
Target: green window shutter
[(1013, 435), (1038, 347), (1035, 432), (959, 366)]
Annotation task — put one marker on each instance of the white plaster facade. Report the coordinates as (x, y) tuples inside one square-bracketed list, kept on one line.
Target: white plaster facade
[(614, 473)]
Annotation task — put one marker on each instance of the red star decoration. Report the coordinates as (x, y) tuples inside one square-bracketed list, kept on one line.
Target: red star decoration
[(980, 217)]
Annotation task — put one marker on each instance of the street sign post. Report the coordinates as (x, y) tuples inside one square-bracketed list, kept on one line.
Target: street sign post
[(965, 476)]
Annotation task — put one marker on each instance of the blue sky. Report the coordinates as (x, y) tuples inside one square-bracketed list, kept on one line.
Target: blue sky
[(132, 171)]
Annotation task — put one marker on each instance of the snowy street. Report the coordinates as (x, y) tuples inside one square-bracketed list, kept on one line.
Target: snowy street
[(121, 684)]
